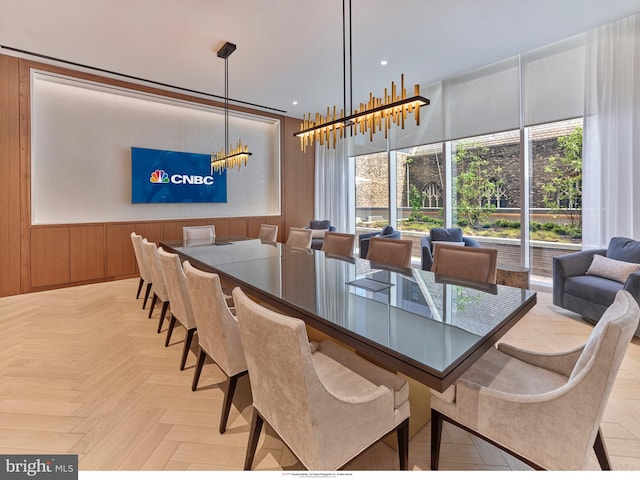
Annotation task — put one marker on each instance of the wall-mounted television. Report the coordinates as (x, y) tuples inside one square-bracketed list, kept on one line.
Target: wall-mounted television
[(162, 176)]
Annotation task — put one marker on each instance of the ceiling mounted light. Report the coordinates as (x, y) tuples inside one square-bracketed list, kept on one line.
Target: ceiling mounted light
[(379, 113), (228, 157)]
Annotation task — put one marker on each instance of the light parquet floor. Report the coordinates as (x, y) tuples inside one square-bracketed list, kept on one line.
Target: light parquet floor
[(82, 370)]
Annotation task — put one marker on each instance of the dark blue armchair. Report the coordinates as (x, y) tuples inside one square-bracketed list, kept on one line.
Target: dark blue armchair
[(319, 228), (591, 294), (442, 235), (386, 232)]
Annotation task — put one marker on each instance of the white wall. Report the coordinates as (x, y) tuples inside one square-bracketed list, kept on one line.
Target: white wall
[(82, 134)]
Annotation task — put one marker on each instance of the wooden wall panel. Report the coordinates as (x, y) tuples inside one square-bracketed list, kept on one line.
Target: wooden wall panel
[(298, 179), (172, 231), (253, 226), (86, 253), (222, 228), (49, 256), (121, 259), (9, 176), (151, 231), (238, 227)]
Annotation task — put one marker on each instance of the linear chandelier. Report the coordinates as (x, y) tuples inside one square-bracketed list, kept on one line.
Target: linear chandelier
[(228, 157), (378, 114)]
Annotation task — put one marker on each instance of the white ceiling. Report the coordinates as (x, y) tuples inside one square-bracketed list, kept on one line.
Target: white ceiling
[(292, 49)]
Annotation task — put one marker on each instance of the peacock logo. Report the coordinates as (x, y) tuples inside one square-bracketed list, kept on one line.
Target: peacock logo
[(159, 176)]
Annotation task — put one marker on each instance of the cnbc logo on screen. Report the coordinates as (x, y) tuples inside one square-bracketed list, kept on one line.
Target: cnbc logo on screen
[(160, 176)]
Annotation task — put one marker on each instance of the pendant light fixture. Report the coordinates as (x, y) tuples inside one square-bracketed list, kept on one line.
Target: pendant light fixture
[(379, 113), (228, 157)]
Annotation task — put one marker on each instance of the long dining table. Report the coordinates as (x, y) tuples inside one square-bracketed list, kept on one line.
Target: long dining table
[(429, 328)]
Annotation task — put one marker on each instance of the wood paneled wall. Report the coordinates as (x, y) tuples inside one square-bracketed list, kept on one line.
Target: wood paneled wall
[(9, 176), (38, 257)]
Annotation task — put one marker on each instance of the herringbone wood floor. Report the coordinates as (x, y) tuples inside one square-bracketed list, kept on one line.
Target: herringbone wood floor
[(82, 370)]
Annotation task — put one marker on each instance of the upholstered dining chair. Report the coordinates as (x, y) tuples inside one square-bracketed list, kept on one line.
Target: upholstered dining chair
[(390, 251), (181, 308), (325, 402), (268, 233), (218, 333), (143, 269), (203, 235), (157, 279), (340, 244), (299, 237), (543, 408), (474, 264)]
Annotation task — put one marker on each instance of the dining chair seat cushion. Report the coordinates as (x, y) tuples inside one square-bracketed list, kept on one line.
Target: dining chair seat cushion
[(502, 372), (361, 378)]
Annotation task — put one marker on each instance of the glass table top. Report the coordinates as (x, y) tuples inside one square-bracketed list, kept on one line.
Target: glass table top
[(429, 321)]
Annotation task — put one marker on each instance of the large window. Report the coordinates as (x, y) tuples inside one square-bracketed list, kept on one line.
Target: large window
[(555, 219), (372, 192)]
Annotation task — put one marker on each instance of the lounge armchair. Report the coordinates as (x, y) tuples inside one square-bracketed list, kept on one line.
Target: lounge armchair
[(451, 235), (587, 282), (386, 232), (318, 229)]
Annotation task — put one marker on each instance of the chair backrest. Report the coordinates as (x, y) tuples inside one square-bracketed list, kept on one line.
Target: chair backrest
[(284, 383), (141, 260), (153, 262), (475, 264), (597, 367), (299, 237), (390, 251), (176, 288), (218, 332), (268, 233), (204, 235), (339, 243)]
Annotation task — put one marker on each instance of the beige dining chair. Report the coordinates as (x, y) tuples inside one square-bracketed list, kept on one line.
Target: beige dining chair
[(390, 251), (181, 308), (340, 244), (203, 235), (268, 233), (327, 403), (299, 237), (543, 408), (157, 279), (143, 269), (218, 333), (457, 261)]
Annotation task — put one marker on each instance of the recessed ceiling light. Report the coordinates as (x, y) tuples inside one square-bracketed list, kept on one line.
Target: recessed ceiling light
[(295, 102), (383, 62)]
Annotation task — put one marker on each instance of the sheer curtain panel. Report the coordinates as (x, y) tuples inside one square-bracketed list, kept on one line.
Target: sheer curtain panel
[(611, 146)]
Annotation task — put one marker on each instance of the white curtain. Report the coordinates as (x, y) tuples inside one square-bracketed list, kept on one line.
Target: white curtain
[(611, 146), (331, 187)]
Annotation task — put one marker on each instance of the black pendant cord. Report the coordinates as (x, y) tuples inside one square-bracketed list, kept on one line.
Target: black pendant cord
[(226, 106)]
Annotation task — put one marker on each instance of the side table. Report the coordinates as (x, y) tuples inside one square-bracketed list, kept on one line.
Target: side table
[(512, 276)]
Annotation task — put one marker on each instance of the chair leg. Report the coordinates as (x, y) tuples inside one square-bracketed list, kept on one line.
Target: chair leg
[(403, 444), (228, 398), (436, 437), (140, 283), (165, 305), (254, 436), (153, 304), (198, 370), (601, 451), (146, 295), (187, 346), (172, 324)]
